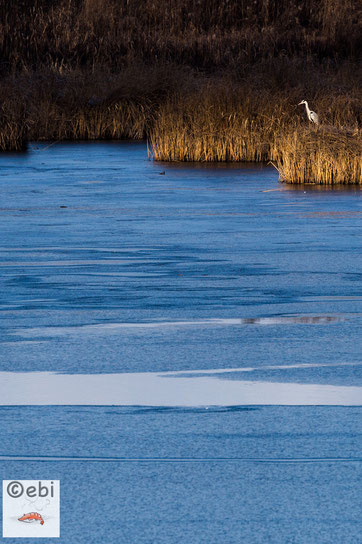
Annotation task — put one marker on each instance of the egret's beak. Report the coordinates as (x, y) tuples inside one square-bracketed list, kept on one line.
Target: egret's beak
[(300, 103)]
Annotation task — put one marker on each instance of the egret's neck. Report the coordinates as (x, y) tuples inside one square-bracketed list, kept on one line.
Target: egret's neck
[(307, 108)]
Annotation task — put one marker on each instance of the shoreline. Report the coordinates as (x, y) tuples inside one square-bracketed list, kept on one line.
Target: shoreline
[(219, 118)]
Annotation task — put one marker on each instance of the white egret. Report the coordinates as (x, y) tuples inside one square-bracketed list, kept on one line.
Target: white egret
[(312, 116)]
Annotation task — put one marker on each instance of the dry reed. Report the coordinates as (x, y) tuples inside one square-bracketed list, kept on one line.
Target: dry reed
[(214, 124), (203, 81), (85, 33), (223, 121), (321, 156)]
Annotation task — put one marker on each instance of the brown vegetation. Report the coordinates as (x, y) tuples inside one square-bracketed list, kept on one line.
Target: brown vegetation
[(115, 33), (249, 120), (323, 156), (203, 81)]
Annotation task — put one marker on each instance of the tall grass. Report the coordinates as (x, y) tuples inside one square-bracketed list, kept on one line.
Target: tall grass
[(202, 81), (323, 156), (241, 121), (77, 104), (74, 33), (13, 120), (213, 124)]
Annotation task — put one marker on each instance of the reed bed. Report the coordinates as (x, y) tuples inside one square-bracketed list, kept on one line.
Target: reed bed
[(201, 81), (207, 35), (12, 134), (223, 121), (124, 120), (82, 105), (13, 125), (213, 124), (322, 156)]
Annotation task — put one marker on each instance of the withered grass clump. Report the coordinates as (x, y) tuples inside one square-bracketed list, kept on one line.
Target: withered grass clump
[(13, 127), (12, 134), (215, 123), (323, 156)]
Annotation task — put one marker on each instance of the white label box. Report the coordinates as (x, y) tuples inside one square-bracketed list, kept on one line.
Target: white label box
[(31, 508)]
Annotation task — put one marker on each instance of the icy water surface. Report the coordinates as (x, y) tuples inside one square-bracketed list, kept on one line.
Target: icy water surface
[(199, 329), (111, 263)]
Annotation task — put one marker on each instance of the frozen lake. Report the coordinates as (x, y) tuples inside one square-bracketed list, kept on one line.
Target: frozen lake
[(197, 329)]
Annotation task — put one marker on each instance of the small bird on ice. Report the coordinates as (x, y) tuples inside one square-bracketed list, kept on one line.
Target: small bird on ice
[(312, 116)]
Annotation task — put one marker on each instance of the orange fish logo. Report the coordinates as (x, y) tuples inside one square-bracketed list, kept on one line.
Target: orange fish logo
[(32, 516)]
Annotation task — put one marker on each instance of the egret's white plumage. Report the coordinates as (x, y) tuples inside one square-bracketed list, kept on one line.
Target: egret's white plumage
[(312, 116)]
